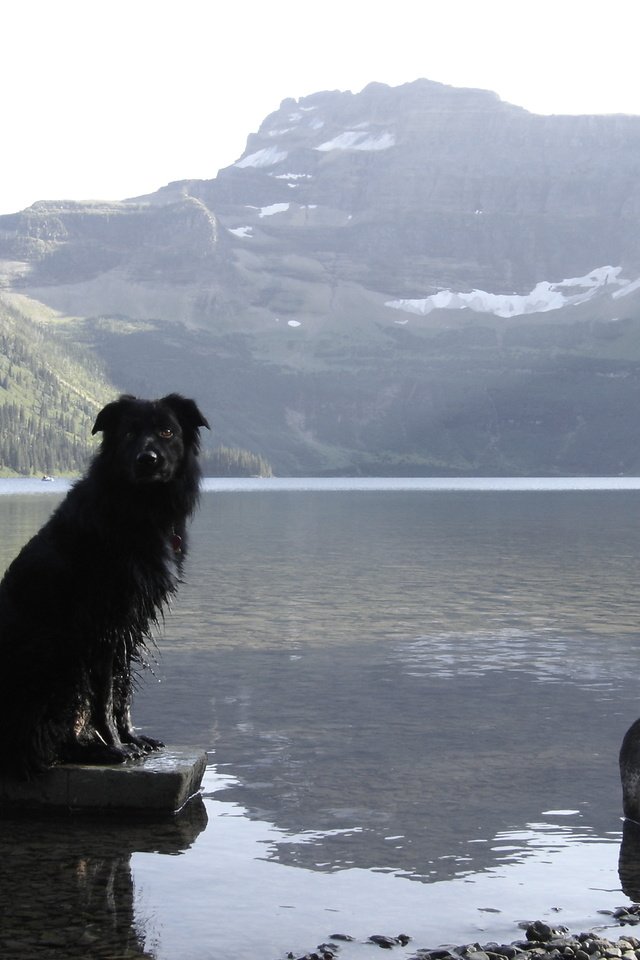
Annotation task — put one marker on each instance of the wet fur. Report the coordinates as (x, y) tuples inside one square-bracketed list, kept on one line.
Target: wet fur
[(79, 603)]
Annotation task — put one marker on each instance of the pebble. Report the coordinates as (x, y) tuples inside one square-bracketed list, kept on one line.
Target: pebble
[(389, 942)]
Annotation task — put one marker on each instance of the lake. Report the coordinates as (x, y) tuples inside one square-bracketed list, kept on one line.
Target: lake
[(413, 694)]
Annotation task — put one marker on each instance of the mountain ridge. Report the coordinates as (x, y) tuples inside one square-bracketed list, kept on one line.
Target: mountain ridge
[(334, 296)]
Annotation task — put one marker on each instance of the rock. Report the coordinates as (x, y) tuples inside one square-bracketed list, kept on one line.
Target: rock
[(629, 761), (159, 783), (542, 932), (385, 942)]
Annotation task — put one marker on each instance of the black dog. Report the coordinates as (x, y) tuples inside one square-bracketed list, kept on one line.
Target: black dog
[(79, 603)]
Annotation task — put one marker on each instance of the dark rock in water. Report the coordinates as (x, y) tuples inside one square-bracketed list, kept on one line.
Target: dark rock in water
[(629, 760), (629, 861), (385, 942), (541, 932), (324, 951), (627, 915)]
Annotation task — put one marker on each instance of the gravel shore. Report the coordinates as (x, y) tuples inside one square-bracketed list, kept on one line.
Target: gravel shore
[(541, 942)]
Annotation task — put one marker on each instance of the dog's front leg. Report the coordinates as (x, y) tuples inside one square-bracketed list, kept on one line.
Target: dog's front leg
[(96, 739), (111, 717), (124, 723)]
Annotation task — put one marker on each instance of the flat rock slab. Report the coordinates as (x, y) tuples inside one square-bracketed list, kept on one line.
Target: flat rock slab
[(159, 783)]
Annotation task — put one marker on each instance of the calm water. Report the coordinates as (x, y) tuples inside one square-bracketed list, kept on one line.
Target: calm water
[(413, 693)]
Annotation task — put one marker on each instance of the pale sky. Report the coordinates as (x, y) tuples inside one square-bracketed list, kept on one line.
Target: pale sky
[(107, 99)]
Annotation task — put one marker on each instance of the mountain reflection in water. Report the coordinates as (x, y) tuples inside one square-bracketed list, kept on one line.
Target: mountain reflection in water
[(396, 685)]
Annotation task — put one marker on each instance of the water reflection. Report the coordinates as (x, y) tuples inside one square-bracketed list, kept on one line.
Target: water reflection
[(248, 903), (313, 568), (395, 687), (66, 884), (539, 655), (379, 768)]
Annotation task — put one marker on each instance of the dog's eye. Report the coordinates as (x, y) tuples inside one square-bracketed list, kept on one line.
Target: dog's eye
[(165, 434)]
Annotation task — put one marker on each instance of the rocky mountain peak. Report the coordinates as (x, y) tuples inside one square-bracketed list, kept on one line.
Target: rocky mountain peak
[(429, 185), (417, 275)]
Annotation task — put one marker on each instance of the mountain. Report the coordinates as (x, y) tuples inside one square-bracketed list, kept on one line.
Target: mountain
[(409, 280)]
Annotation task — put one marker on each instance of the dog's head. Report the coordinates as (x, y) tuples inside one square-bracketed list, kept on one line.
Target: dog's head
[(148, 441)]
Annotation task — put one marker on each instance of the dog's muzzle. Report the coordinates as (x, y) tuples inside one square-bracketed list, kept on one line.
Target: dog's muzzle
[(148, 464)]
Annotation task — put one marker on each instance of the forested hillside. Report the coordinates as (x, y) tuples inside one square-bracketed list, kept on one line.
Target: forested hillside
[(50, 392), (232, 462)]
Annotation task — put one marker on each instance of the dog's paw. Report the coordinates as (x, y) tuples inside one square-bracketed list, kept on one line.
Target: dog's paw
[(142, 743), (149, 744)]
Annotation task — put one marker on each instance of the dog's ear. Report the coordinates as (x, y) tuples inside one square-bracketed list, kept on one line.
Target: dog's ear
[(186, 411), (109, 415)]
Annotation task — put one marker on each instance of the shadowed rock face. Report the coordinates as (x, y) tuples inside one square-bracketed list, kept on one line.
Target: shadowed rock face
[(404, 189), (426, 184), (269, 286)]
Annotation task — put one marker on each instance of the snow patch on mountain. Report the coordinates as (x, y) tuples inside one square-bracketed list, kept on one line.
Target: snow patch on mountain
[(267, 157), (625, 291), (291, 176), (273, 208), (358, 140), (545, 296)]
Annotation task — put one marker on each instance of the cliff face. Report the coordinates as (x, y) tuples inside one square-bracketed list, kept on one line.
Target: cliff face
[(410, 279), (425, 185)]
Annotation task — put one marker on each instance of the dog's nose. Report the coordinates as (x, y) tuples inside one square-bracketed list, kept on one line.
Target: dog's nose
[(147, 458)]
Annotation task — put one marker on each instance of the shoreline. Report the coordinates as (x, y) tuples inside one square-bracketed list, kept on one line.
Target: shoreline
[(510, 485), (540, 942)]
